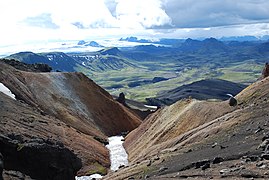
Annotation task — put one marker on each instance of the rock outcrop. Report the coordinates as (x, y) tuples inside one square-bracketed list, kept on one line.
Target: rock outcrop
[(136, 107), (232, 101), (190, 138), (65, 115), (39, 158), (121, 99)]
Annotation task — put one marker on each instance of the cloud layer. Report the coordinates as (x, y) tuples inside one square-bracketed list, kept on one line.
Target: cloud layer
[(211, 13), (77, 19)]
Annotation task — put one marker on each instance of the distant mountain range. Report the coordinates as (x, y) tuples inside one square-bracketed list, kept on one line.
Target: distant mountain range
[(132, 70), (175, 42), (245, 38), (210, 45), (200, 46), (106, 59), (116, 59), (57, 60)]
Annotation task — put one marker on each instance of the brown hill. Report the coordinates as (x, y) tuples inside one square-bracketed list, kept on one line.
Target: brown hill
[(171, 122), (71, 97), (64, 107), (190, 138)]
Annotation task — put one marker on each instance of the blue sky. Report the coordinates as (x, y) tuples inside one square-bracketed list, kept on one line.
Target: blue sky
[(24, 21)]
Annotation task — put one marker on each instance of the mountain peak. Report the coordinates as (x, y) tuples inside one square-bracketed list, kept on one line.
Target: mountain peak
[(110, 51), (211, 39), (212, 42), (93, 44), (208, 45), (82, 42)]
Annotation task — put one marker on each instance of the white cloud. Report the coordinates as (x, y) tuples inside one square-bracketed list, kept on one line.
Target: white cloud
[(141, 13), (50, 20), (86, 12), (30, 20)]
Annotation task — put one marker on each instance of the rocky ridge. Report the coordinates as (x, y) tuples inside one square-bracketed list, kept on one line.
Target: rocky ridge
[(201, 139), (36, 67)]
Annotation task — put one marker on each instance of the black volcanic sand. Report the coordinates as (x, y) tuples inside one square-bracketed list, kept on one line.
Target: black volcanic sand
[(238, 149)]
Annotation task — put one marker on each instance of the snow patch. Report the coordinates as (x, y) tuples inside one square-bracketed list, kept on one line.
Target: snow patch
[(93, 176), (6, 91), (118, 155), (230, 95), (50, 57), (152, 107)]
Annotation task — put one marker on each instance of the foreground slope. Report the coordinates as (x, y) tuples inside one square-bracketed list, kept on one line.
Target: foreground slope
[(44, 147), (67, 107), (190, 138)]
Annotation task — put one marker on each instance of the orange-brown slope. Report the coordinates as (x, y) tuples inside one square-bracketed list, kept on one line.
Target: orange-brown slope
[(170, 122), (198, 133), (20, 122), (72, 98)]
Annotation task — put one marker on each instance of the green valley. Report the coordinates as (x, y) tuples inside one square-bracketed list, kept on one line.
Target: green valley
[(146, 70)]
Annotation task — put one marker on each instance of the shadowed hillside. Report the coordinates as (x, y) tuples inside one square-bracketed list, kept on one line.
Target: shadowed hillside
[(57, 60), (201, 90)]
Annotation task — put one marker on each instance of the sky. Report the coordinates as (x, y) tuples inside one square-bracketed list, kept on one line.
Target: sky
[(31, 21)]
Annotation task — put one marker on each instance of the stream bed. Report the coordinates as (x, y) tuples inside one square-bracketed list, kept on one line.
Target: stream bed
[(117, 154)]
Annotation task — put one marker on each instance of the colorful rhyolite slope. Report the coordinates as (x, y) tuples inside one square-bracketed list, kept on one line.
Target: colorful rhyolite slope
[(201, 139), (56, 107)]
